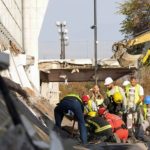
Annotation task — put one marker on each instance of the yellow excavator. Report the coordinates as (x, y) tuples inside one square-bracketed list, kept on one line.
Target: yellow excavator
[(133, 52)]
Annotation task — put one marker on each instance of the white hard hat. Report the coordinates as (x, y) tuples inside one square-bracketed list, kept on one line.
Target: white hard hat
[(126, 82), (108, 81)]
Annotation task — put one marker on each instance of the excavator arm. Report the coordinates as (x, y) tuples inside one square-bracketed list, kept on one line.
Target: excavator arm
[(145, 60), (142, 38), (126, 59)]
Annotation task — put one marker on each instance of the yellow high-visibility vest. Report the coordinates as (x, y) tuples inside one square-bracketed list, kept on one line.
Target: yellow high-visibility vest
[(137, 97), (145, 111), (116, 90), (75, 95), (98, 127), (88, 107)]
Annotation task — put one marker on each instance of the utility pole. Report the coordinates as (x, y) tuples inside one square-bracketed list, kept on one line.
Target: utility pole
[(61, 41), (95, 39), (63, 38)]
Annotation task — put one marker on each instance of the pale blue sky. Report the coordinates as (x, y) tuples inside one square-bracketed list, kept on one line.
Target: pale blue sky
[(79, 17)]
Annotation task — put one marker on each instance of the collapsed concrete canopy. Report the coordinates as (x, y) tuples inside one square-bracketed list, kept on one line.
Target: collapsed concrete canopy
[(60, 71)]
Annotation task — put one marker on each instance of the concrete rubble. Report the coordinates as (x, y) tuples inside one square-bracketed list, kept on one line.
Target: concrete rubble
[(35, 111)]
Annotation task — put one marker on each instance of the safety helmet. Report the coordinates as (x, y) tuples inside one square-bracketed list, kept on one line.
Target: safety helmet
[(117, 97), (108, 81), (147, 99), (92, 113), (126, 82), (101, 110), (85, 98)]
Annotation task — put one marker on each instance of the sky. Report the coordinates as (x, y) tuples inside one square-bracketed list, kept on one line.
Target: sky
[(79, 16)]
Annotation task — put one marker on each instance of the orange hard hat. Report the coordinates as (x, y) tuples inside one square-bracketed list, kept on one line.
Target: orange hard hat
[(85, 98)]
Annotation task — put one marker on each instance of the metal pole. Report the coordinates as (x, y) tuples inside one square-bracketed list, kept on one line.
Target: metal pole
[(95, 39), (61, 40), (63, 54), (64, 50)]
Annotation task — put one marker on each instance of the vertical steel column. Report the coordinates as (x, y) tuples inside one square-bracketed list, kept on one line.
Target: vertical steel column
[(95, 39), (62, 41)]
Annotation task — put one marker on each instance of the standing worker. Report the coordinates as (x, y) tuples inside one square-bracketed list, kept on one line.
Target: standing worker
[(73, 103), (135, 97), (125, 86), (116, 102)]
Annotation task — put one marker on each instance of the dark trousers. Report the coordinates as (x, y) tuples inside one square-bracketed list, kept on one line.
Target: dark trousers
[(105, 136), (74, 106)]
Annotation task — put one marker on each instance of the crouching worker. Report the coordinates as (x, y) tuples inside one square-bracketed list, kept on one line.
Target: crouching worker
[(89, 105), (117, 124), (73, 103), (98, 129), (146, 121)]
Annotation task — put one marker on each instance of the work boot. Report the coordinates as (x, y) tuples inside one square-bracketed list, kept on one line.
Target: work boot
[(141, 135), (132, 136), (117, 139), (144, 138)]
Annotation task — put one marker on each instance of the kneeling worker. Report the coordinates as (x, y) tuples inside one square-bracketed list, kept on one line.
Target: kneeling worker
[(71, 102), (117, 124), (99, 129)]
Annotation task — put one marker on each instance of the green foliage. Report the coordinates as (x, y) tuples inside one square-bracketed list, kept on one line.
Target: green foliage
[(137, 16), (144, 74)]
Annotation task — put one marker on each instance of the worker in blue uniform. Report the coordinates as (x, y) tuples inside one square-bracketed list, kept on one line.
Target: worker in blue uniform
[(71, 103)]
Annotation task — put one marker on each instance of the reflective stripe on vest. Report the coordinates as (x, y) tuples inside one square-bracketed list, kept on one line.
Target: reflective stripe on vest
[(86, 110), (116, 90), (90, 105), (137, 88), (103, 128), (87, 125), (99, 129), (74, 95)]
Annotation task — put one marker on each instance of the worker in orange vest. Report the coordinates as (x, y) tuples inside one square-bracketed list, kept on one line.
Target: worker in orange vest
[(118, 125)]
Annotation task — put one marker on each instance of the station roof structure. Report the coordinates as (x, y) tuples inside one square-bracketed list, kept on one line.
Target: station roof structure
[(81, 70)]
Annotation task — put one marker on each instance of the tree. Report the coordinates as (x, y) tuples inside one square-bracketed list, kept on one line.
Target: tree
[(137, 16)]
